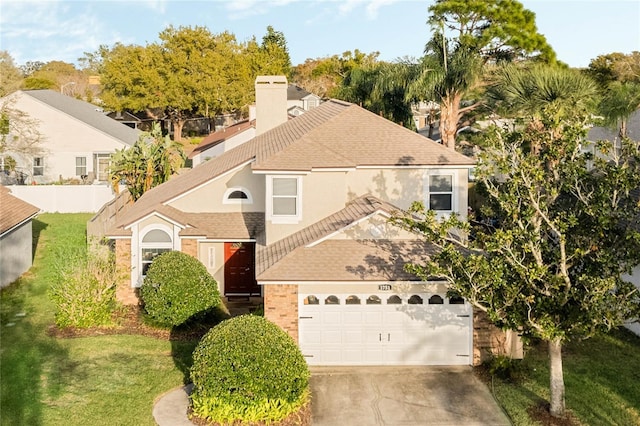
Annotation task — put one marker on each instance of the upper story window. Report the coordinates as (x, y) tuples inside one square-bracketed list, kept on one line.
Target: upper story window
[(38, 166), (440, 194), (284, 199), (237, 195)]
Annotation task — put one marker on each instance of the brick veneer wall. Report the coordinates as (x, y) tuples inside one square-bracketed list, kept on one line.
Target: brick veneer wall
[(489, 340), (190, 247), (281, 307), (125, 294)]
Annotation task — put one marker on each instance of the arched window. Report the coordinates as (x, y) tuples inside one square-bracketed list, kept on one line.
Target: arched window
[(332, 300), (394, 300), (237, 195), (352, 300), (436, 300), (311, 300), (456, 300), (374, 300), (415, 300), (154, 243)]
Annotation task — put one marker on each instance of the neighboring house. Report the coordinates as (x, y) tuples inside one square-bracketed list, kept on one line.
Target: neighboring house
[(77, 138), (222, 141), (597, 134), (125, 118), (300, 101), (16, 242), (299, 216)]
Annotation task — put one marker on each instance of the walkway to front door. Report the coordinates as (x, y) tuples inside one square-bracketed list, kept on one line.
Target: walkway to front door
[(239, 270)]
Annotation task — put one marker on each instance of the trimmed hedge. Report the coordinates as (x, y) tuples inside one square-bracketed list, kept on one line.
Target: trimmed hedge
[(177, 287), (248, 369)]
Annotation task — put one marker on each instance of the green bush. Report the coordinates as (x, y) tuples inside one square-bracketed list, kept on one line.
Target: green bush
[(177, 287), (84, 289), (248, 369)]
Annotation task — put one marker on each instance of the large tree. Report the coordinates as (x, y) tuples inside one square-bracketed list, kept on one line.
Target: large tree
[(467, 35), (19, 133), (10, 75), (568, 228), (190, 72)]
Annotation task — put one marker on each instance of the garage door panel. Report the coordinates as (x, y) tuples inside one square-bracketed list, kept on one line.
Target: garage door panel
[(385, 334)]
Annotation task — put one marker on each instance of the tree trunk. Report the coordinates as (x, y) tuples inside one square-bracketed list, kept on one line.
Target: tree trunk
[(449, 108), (177, 129), (556, 378)]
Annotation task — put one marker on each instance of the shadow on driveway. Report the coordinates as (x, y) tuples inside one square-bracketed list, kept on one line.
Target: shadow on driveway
[(402, 396)]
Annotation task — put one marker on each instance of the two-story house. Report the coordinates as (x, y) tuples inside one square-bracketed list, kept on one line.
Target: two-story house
[(299, 216), (77, 138)]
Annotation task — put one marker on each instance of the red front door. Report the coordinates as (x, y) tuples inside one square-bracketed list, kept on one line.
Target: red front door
[(239, 269)]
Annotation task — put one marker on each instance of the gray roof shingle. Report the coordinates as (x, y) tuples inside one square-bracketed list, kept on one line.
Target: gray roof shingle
[(87, 113)]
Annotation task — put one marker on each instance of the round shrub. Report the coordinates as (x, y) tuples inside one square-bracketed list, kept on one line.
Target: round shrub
[(248, 369), (178, 286)]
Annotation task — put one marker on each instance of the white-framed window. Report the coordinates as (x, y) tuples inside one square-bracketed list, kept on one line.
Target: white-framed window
[(237, 195), (284, 195), (81, 166), (440, 194), (154, 243), (101, 165), (211, 260), (38, 166)]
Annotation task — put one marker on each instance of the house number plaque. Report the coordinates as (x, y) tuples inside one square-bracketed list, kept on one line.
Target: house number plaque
[(384, 287)]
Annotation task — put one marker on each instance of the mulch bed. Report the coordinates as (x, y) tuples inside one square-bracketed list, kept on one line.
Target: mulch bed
[(129, 320)]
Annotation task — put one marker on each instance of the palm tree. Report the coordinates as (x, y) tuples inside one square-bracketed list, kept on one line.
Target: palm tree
[(152, 160), (619, 102), (447, 76)]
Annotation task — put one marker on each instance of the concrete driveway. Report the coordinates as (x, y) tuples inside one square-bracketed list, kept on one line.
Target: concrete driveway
[(402, 396)]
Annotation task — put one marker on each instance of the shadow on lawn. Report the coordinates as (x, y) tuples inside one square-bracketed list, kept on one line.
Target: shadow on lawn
[(36, 228), (26, 352), (186, 337)]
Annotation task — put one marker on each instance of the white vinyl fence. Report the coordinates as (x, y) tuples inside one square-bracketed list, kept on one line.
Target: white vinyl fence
[(64, 198)]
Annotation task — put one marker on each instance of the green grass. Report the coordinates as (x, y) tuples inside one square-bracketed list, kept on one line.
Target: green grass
[(602, 381), (105, 380), (114, 380)]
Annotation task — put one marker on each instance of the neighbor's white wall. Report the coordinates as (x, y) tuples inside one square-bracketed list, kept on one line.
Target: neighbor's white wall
[(634, 278), (65, 198)]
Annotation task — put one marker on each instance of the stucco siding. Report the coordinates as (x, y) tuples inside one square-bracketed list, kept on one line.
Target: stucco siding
[(64, 139), (211, 254), (15, 253), (210, 197)]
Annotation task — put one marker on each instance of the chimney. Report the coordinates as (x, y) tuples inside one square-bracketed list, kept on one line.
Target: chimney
[(271, 102)]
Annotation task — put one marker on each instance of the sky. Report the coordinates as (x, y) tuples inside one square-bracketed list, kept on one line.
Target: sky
[(64, 29)]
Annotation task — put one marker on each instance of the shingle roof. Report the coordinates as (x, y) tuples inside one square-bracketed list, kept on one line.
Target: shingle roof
[(351, 260), (225, 225), (335, 134), (295, 93), (87, 113), (13, 211), (355, 210), (220, 136)]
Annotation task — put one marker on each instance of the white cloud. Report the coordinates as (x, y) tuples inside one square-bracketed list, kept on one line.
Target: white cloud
[(240, 9), (50, 30)]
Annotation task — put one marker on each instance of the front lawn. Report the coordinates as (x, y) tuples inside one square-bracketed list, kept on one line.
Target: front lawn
[(602, 379), (114, 379), (102, 380)]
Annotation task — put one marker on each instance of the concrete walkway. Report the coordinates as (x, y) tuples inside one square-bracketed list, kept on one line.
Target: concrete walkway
[(171, 408)]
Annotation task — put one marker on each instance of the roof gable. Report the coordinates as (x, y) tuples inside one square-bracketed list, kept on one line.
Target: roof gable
[(85, 112), (13, 211)]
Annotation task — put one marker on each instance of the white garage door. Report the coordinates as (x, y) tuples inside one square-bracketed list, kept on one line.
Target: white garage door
[(384, 329)]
